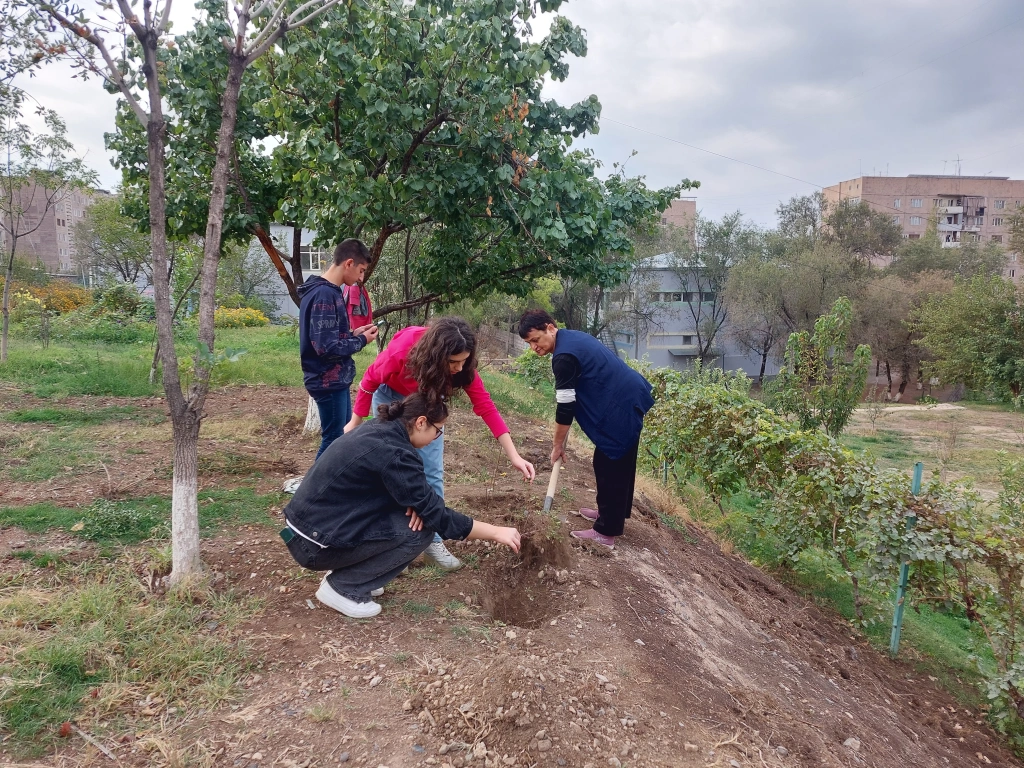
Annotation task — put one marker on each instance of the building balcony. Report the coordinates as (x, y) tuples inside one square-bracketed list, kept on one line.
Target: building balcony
[(949, 209), (950, 245), (950, 227)]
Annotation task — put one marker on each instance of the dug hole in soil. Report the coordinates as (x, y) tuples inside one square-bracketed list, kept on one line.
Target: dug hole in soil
[(666, 652)]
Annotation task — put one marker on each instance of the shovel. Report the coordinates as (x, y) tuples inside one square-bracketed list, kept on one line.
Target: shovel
[(549, 497)]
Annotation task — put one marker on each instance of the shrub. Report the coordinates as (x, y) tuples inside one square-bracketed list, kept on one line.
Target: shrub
[(120, 299), (111, 328), (811, 492), (25, 306), (60, 296), (242, 317), (534, 368), (238, 301)]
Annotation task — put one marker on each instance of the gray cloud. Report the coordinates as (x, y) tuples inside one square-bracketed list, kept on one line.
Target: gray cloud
[(819, 91), (816, 90)]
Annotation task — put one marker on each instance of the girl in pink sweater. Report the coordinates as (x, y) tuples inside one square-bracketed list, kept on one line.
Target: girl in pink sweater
[(434, 361)]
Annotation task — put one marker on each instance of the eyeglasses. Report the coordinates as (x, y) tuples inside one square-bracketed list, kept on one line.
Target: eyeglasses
[(440, 430)]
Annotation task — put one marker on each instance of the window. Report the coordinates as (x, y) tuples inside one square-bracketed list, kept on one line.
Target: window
[(916, 221), (914, 236), (915, 202), (1012, 273), (896, 203), (854, 201), (314, 259), (664, 220), (1000, 204), (997, 238), (996, 221), (979, 221), (689, 297), (895, 219)]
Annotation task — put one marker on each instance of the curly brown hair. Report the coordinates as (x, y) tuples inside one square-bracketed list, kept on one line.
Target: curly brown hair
[(428, 359)]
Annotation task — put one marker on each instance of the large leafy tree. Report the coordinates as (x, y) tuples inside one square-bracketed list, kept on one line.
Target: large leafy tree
[(110, 243), (422, 118), (702, 262), (884, 311), (430, 116), (753, 293), (975, 335), (821, 383)]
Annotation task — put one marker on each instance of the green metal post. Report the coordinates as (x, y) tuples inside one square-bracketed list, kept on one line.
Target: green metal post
[(664, 471), (901, 587)]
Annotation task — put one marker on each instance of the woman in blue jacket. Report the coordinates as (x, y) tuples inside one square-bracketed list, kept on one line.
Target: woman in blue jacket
[(365, 510)]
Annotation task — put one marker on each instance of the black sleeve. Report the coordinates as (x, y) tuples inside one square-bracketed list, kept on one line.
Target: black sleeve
[(404, 478), (567, 371)]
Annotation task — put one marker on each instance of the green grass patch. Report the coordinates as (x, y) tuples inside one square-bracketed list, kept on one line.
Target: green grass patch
[(135, 520), (71, 416), (118, 370), (87, 642), (38, 559), (514, 394), (891, 448), (41, 454), (417, 609)]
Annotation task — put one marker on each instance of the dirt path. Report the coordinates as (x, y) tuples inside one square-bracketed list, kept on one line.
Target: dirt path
[(667, 652)]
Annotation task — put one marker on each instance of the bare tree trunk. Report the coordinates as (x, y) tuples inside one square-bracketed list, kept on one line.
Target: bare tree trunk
[(186, 564), (764, 364), (297, 255), (8, 279), (312, 425), (888, 375), (184, 521)]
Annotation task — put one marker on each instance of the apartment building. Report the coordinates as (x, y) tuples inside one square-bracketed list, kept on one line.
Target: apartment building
[(681, 213), (52, 241), (975, 208)]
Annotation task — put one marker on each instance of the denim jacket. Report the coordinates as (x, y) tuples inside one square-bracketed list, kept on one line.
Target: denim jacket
[(350, 494)]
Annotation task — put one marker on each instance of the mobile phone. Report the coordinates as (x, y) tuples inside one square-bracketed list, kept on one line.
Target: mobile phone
[(379, 323)]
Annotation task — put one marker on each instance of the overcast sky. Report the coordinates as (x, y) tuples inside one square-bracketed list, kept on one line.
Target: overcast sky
[(819, 91)]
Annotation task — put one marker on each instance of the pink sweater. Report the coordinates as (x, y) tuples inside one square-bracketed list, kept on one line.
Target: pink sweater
[(389, 368)]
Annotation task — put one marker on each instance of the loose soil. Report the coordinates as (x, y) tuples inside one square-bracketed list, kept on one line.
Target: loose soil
[(666, 652)]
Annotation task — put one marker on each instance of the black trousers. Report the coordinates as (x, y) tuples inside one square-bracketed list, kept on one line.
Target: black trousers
[(356, 571), (615, 481)]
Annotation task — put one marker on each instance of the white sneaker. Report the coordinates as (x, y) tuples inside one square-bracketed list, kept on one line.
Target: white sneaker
[(441, 557), (342, 604), (291, 485), (377, 592)]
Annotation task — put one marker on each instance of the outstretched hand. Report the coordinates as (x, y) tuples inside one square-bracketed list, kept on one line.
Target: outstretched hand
[(508, 536)]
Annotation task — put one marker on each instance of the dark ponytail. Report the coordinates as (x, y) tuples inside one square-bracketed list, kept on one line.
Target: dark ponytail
[(411, 408)]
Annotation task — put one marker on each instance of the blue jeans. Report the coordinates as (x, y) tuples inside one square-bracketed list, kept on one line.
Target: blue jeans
[(335, 410), (432, 455)]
